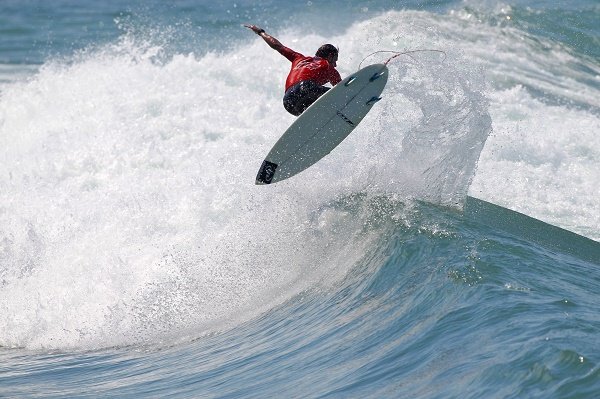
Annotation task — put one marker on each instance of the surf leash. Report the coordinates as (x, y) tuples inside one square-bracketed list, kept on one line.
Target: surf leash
[(400, 53)]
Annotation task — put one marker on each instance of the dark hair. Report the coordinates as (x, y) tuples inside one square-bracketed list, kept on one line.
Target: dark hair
[(326, 50)]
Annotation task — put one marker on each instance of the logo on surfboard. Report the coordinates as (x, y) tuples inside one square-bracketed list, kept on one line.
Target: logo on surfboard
[(266, 172), (345, 118)]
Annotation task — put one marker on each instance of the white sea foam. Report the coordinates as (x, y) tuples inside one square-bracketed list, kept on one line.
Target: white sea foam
[(543, 161), (543, 158), (128, 209)]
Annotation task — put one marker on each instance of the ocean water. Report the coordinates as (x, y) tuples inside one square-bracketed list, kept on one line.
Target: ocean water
[(447, 249)]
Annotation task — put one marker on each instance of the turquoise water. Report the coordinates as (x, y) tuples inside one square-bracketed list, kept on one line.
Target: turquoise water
[(448, 248)]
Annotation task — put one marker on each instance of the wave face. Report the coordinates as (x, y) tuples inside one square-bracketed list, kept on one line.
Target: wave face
[(134, 244), (414, 297)]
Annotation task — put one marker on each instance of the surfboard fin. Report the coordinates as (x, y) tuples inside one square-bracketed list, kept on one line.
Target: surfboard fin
[(352, 79), (373, 100), (377, 76)]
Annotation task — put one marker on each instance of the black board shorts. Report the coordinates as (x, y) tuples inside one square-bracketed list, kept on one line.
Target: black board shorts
[(301, 95)]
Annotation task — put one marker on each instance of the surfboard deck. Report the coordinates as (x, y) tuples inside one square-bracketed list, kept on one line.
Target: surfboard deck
[(324, 125)]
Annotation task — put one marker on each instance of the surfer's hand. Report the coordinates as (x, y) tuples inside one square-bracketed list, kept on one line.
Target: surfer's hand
[(255, 29)]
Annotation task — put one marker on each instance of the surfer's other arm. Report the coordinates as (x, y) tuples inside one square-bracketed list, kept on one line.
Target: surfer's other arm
[(270, 40)]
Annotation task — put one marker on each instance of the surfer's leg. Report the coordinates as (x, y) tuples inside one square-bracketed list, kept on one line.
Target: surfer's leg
[(313, 92), (300, 96), (292, 99), (310, 93)]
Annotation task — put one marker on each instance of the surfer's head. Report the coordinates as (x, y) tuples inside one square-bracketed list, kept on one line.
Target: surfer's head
[(329, 52)]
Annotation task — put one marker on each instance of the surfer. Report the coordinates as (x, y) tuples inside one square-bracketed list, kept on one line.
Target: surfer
[(308, 75)]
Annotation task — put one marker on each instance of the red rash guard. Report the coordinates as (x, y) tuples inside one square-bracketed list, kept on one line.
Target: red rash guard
[(309, 68)]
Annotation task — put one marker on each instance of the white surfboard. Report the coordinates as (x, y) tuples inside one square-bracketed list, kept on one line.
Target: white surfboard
[(324, 125)]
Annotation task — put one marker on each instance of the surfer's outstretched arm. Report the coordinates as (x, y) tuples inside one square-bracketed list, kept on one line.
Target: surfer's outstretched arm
[(270, 40)]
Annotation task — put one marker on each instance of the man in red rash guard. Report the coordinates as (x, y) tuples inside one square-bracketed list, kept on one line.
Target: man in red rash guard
[(304, 84)]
